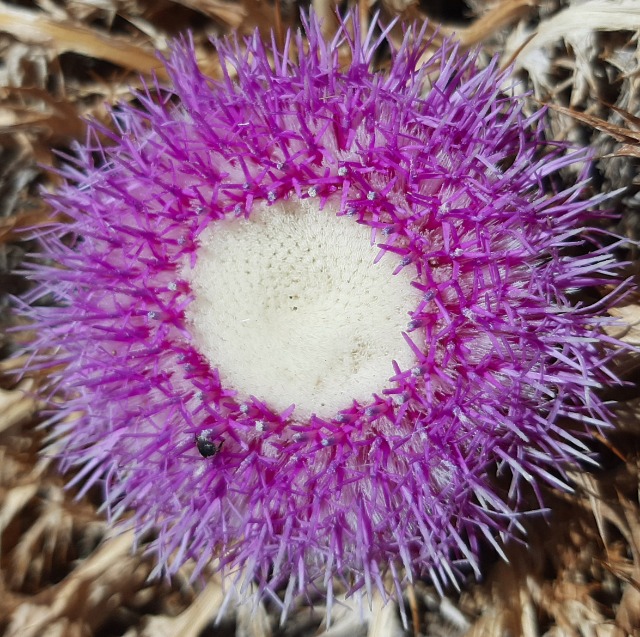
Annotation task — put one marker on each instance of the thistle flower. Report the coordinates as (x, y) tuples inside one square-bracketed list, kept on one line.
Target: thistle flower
[(317, 321)]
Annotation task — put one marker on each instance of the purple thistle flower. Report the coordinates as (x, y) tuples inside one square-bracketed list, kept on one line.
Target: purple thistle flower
[(308, 319)]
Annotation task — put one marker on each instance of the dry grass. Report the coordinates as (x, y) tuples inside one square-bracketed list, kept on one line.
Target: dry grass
[(61, 573)]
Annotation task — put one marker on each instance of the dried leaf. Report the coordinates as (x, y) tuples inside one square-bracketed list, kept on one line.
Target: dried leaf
[(36, 109), (626, 150), (500, 15), (13, 228), (32, 27), (592, 15), (620, 133), (628, 615), (192, 621), (14, 501), (626, 116), (16, 405), (384, 620), (252, 619), (83, 595), (629, 329)]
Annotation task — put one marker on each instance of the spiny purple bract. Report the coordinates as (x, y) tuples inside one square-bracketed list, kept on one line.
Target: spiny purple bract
[(453, 177)]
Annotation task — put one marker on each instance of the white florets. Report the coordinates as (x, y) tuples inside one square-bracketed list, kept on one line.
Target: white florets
[(289, 306)]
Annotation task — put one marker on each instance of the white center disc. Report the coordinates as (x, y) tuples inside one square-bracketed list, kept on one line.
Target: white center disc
[(290, 308)]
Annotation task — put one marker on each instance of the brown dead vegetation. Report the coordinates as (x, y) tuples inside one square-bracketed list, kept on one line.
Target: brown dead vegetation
[(61, 573)]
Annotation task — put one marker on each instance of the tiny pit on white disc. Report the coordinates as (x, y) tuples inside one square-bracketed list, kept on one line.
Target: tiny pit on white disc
[(290, 307)]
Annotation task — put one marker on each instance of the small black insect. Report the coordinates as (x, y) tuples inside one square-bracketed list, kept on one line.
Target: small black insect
[(206, 447)]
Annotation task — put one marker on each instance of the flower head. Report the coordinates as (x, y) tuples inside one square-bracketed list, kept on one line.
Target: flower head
[(309, 317)]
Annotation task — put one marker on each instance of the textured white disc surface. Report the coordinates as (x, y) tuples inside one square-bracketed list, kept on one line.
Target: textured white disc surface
[(290, 308)]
